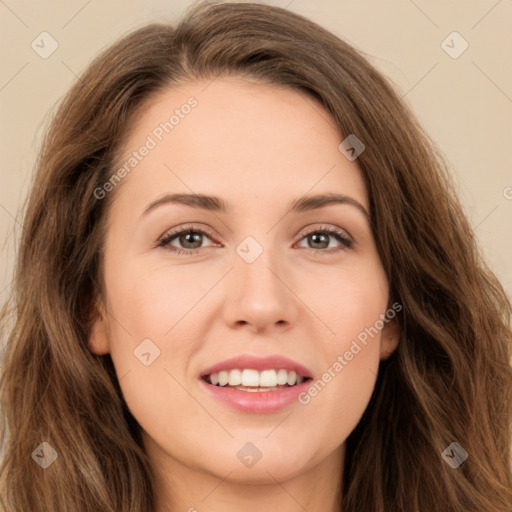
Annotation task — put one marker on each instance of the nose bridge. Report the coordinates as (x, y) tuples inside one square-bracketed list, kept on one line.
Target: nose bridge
[(257, 264), (257, 293)]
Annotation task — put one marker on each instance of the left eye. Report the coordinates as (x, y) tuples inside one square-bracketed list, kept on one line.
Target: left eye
[(321, 236), (191, 240)]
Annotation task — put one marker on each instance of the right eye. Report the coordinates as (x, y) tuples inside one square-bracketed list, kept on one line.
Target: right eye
[(184, 235)]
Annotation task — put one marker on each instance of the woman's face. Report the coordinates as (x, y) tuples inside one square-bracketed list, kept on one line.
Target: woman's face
[(262, 279)]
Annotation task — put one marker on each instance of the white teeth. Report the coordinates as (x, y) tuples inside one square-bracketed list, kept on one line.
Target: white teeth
[(282, 377), (235, 378), (292, 378), (268, 378), (250, 378), (223, 378)]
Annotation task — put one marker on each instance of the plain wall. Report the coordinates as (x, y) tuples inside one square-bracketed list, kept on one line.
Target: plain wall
[(465, 103)]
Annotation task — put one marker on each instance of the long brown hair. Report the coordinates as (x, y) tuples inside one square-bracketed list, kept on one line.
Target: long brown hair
[(450, 379)]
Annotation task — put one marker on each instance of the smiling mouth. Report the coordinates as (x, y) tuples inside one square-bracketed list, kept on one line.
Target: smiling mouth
[(255, 381)]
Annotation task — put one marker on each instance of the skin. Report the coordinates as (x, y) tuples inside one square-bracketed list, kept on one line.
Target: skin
[(258, 147)]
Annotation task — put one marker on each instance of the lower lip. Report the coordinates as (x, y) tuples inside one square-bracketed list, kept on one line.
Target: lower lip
[(257, 401)]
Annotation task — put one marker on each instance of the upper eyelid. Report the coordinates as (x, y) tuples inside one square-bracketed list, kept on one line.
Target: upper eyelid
[(183, 229)]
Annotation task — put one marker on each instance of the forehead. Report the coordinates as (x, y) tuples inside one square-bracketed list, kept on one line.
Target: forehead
[(238, 136)]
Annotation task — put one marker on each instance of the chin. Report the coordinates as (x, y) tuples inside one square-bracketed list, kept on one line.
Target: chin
[(260, 461)]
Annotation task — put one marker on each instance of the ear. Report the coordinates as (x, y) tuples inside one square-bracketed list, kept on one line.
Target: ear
[(98, 333), (390, 335)]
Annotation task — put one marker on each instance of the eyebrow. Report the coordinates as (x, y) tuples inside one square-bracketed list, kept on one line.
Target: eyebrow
[(216, 204)]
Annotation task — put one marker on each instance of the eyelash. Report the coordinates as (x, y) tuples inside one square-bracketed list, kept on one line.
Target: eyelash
[(339, 235)]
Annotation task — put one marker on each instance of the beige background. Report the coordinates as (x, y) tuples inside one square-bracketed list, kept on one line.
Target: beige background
[(464, 103)]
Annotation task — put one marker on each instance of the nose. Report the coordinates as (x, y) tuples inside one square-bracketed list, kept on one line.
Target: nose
[(260, 295)]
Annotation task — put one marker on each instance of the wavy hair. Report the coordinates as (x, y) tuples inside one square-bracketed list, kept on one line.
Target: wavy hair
[(450, 380)]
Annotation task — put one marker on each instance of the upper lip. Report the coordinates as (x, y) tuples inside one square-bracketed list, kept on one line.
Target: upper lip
[(276, 362)]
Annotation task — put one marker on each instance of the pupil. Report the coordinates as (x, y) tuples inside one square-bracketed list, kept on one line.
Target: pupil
[(315, 236), (185, 239)]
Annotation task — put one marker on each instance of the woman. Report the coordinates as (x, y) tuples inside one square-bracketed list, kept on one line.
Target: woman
[(245, 281)]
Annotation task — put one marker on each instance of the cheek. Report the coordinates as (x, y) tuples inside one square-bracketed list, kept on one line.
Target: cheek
[(151, 336), (156, 310), (338, 399), (352, 305), (151, 301), (347, 301)]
